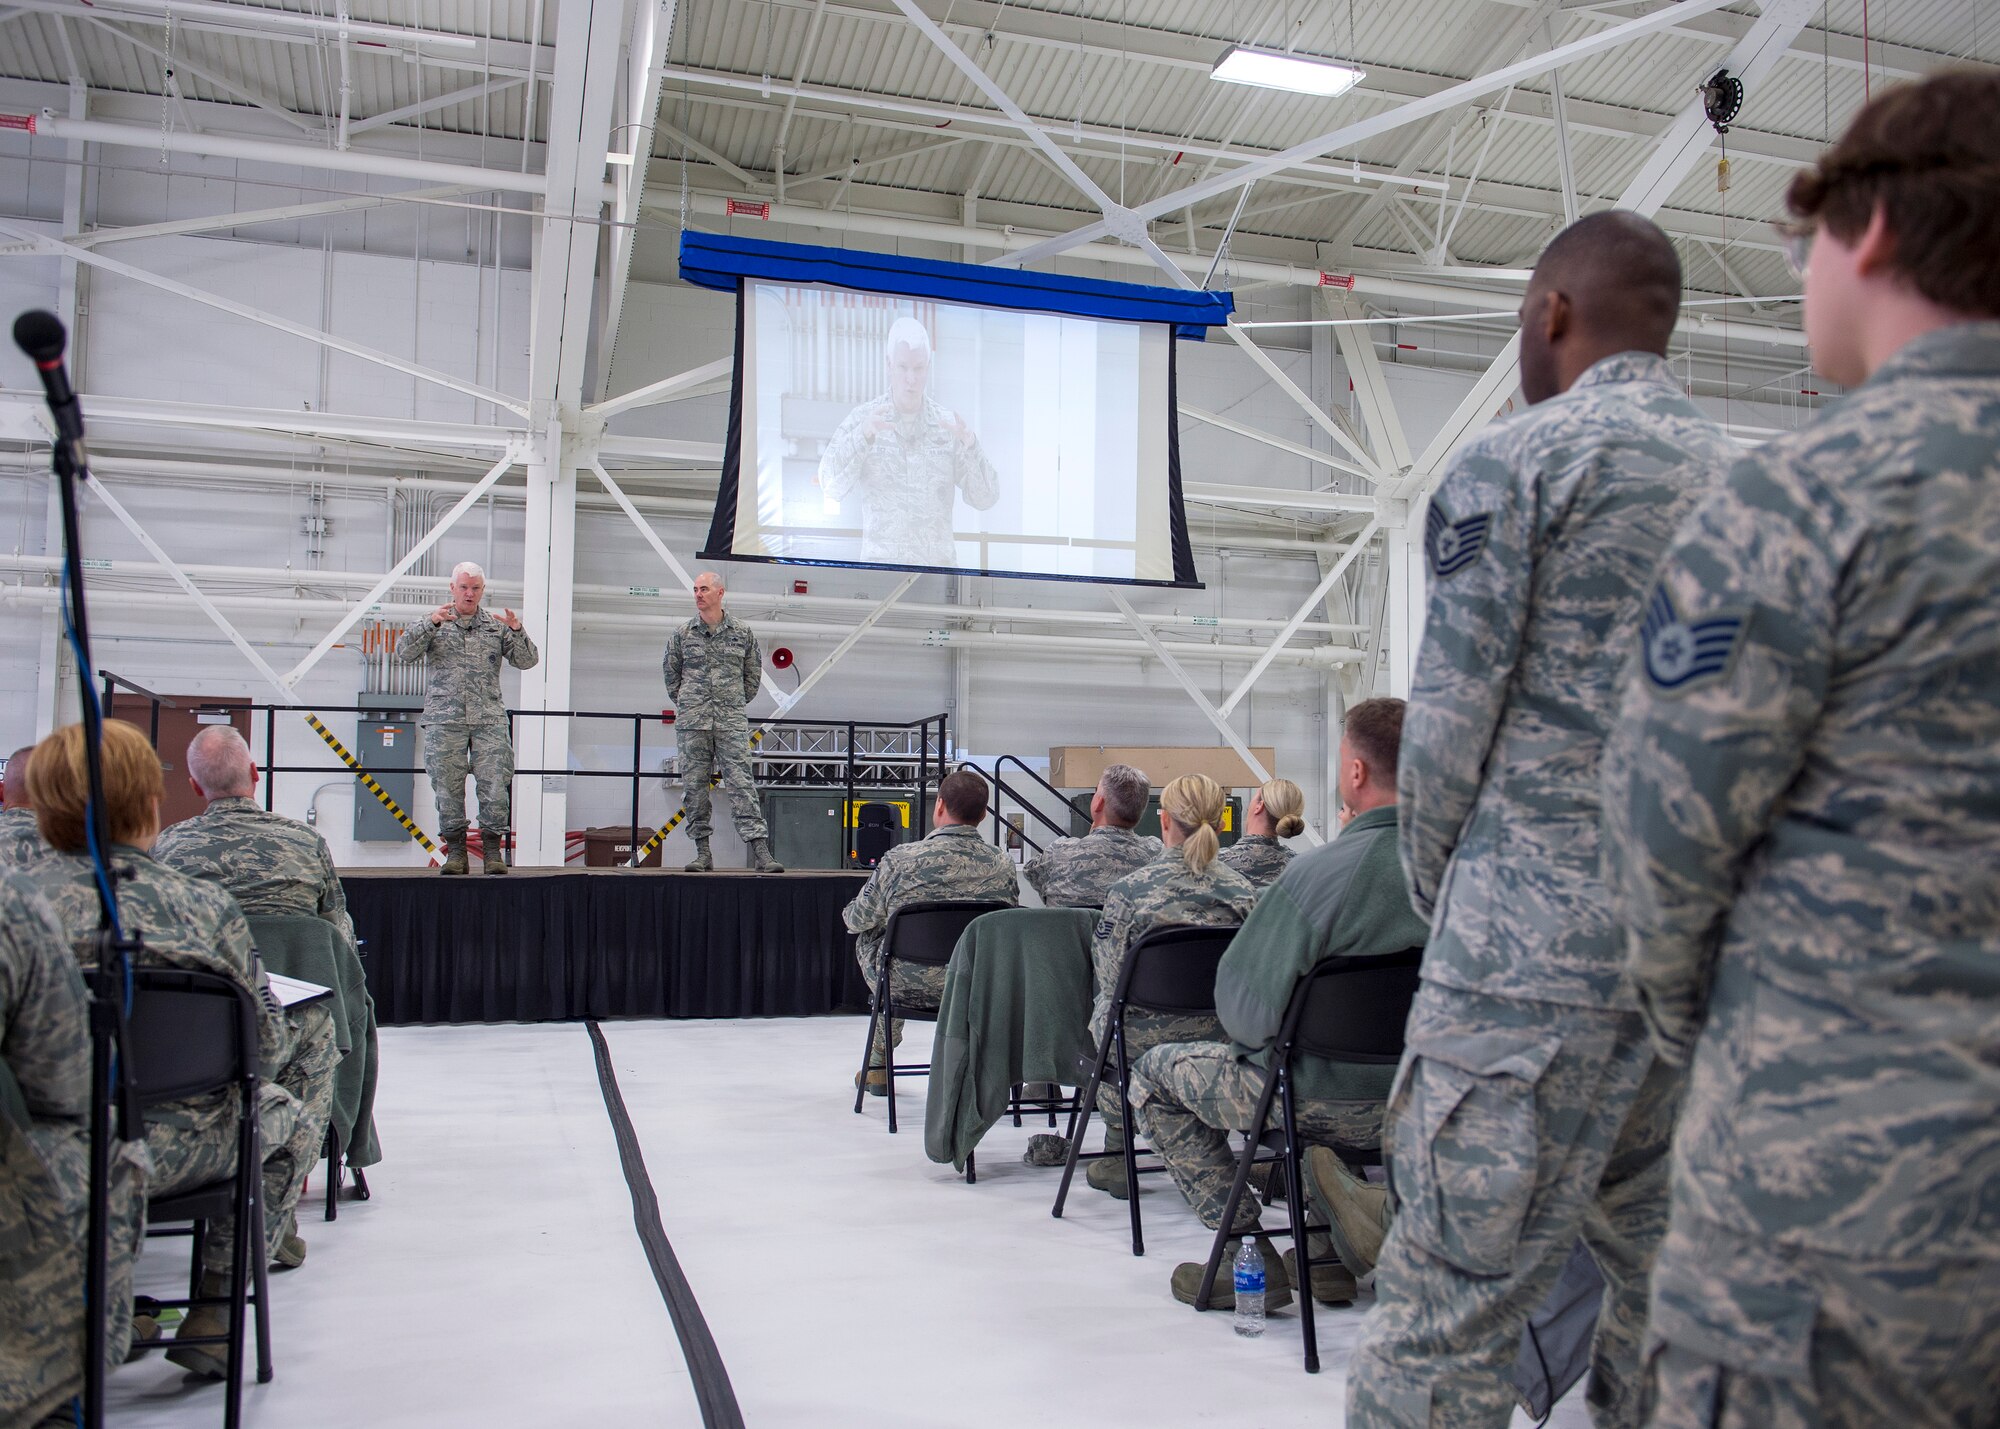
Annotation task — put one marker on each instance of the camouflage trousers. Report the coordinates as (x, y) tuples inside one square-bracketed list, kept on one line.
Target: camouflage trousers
[(1514, 1128), (1143, 1032), (293, 1107), (1188, 1097), (44, 1217), (454, 753), (1747, 1335), (914, 985), (707, 755)]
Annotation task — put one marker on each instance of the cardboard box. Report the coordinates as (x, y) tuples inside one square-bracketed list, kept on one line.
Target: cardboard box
[(1079, 766)]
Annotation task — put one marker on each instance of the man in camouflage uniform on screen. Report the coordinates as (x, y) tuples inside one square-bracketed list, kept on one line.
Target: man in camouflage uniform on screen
[(1802, 828), (952, 865), (1529, 1108), (189, 924), (270, 865), (465, 716), (20, 840), (714, 667), (45, 1168), (1077, 873), (909, 457)]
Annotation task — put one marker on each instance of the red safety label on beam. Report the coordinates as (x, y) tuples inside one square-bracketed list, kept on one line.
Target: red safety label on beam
[(1337, 280), (747, 208), (18, 121)]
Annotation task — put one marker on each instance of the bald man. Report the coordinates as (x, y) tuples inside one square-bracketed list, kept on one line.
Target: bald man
[(713, 668), (1530, 1108), (20, 839)]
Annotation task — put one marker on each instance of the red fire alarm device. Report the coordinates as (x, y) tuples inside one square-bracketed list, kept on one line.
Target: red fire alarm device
[(782, 658), (798, 587), (666, 716)]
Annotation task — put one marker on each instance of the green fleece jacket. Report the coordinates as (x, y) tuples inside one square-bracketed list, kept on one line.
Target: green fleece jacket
[(1345, 899)]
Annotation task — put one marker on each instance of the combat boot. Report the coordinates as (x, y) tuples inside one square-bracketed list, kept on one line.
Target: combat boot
[(702, 862), (492, 842), (1357, 1211), (210, 1361), (1222, 1295), (760, 857), (454, 862)]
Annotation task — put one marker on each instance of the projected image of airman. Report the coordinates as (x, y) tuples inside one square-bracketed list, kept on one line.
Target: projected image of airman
[(907, 455)]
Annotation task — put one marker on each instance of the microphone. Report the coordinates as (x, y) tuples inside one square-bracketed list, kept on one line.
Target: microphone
[(41, 335)]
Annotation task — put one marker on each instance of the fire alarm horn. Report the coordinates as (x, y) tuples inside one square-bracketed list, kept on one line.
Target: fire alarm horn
[(781, 658)]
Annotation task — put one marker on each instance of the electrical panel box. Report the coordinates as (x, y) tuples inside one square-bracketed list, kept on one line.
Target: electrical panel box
[(1149, 822), (807, 830), (385, 740)]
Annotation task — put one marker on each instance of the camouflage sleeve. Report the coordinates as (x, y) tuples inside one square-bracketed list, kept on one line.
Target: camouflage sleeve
[(1733, 667), (519, 648), (670, 666), (841, 466), (869, 912), (1111, 941), (977, 479), (233, 943), (1479, 548), (1035, 869), (332, 896), (753, 665), (415, 641), (44, 1025)]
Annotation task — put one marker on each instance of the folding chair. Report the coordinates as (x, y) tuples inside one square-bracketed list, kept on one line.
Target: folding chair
[(923, 934), (1171, 969), (190, 1034), (1348, 1010)]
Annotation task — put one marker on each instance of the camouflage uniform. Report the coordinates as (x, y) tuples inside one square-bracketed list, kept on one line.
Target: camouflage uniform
[(45, 1168), (1258, 857), (1529, 1108), (269, 864), (1078, 873), (1164, 893), (713, 672), (191, 924), (954, 864), (1802, 823), (20, 839), (465, 717), (907, 477), (1345, 899)]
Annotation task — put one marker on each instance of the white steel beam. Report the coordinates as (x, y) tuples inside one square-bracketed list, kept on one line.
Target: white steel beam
[(1355, 133), (1290, 627), (1244, 429), (375, 593), (646, 57), (665, 390), (425, 437), (434, 103), (259, 17), (1371, 392), (207, 76), (194, 593), (250, 218), (59, 248), (1210, 493), (867, 622)]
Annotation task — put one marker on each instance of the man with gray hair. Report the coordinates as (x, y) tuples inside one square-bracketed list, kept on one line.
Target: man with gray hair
[(270, 864), (20, 838), (1076, 873), (713, 668), (465, 717), (908, 456)]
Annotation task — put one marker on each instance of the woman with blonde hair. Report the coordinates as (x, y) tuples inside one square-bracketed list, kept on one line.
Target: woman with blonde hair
[(1186, 885), (1277, 811)]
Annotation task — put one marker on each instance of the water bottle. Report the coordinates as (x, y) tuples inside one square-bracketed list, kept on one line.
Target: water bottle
[(1249, 1289)]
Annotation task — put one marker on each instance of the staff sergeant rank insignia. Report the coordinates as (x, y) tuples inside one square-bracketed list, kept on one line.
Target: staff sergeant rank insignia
[(1453, 545), (1680, 652)]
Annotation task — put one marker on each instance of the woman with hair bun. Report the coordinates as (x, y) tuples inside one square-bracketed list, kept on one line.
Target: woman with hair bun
[(1277, 811), (1186, 885)]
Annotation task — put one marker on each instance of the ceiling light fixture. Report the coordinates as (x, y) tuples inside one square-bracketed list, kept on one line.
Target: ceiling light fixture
[(1271, 69)]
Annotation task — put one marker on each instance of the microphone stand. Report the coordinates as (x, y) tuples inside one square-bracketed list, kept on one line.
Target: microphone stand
[(115, 954)]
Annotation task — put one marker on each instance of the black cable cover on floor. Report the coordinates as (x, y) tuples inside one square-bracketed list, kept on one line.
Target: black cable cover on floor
[(712, 1389)]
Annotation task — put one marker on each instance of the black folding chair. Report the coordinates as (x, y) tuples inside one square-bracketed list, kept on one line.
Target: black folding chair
[(1171, 969), (1348, 1010), (191, 1034), (923, 934)]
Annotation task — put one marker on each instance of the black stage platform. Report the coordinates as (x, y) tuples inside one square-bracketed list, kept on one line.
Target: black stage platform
[(555, 944)]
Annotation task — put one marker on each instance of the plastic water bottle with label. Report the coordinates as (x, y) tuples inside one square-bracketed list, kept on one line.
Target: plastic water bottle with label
[(1250, 1289)]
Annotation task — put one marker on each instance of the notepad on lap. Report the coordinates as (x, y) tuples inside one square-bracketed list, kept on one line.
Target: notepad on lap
[(293, 991)]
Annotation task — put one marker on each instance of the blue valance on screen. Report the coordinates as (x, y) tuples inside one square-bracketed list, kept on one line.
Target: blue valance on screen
[(713, 260)]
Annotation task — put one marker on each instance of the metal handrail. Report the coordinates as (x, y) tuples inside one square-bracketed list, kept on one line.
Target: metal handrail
[(1000, 788)]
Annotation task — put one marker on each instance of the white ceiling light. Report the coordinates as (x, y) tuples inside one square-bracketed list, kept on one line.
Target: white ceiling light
[(1271, 69)]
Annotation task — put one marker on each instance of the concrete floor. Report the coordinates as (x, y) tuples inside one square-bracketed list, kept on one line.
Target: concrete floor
[(496, 1279)]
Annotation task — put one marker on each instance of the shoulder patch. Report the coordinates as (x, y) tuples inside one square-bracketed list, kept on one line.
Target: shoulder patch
[(1680, 653), (1453, 545)]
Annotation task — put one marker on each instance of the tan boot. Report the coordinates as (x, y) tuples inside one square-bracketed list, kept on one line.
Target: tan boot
[(702, 862), (494, 842), (1332, 1284), (454, 862), (211, 1361), (1357, 1211), (760, 857), (1222, 1295)]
